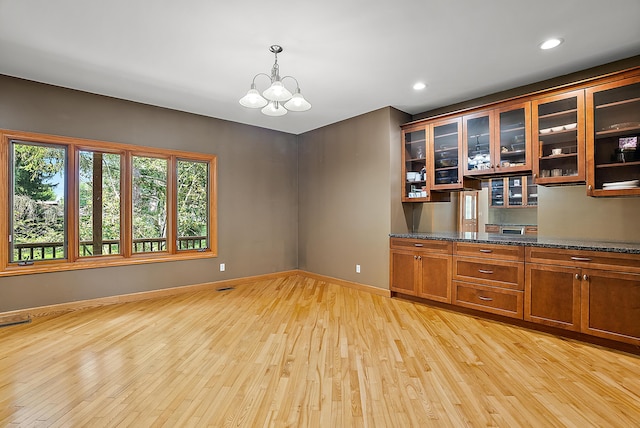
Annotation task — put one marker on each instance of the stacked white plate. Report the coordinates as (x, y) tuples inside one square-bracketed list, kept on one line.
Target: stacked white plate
[(621, 185)]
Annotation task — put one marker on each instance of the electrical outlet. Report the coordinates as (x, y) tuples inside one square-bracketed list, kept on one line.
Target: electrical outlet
[(357, 268), (222, 267)]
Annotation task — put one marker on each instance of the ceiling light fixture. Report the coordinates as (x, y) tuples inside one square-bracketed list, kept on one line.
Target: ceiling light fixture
[(272, 99), (419, 86), (550, 44)]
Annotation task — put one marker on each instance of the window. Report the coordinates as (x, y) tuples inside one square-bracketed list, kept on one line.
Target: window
[(74, 204), (38, 221), (193, 205), (99, 203), (149, 199)]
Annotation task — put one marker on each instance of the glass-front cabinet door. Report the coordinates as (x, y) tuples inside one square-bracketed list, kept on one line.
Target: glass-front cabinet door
[(415, 164), (512, 144), (513, 192), (612, 138), (496, 189), (477, 136), (558, 127), (445, 145)]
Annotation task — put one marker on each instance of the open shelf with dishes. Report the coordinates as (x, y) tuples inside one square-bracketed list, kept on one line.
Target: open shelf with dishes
[(558, 125), (613, 138)]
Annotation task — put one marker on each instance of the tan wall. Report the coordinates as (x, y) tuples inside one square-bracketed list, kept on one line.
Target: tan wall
[(348, 180), (257, 190), (567, 212)]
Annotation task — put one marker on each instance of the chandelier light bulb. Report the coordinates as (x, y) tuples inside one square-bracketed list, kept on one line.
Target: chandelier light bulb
[(297, 102), (274, 109), (277, 92), (253, 99)]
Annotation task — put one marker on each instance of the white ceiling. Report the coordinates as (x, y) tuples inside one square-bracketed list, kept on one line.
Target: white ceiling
[(350, 56)]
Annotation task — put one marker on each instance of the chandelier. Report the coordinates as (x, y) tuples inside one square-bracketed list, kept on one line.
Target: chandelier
[(276, 100)]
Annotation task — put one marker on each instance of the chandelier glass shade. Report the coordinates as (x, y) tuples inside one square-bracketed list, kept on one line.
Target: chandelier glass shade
[(276, 100)]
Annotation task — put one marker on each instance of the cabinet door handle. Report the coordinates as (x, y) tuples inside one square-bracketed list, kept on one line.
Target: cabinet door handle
[(485, 271), (418, 245), (578, 276), (419, 257), (486, 299), (585, 277), (580, 259), (482, 250), (415, 257)]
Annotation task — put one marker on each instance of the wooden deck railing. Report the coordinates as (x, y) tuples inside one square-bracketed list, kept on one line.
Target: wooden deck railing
[(54, 250)]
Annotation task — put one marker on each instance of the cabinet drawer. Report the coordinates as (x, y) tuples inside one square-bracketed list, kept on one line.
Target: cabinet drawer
[(489, 272), (584, 259), (493, 251), (489, 299), (444, 247)]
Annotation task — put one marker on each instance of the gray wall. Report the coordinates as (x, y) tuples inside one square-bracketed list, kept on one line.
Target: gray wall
[(257, 190), (567, 212), (349, 188)]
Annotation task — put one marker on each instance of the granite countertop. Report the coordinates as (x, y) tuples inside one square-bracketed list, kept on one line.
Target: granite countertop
[(524, 240)]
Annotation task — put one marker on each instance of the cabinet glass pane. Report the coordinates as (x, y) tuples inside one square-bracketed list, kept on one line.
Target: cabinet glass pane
[(415, 161), (532, 192), (445, 156), (617, 131), (515, 191), (512, 138), (558, 138), (478, 144), (497, 192)]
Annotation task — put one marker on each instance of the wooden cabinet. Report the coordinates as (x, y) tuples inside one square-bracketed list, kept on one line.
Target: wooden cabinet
[(613, 131), (415, 178), (421, 268), (552, 296), (611, 305), (445, 154), (596, 293), (513, 192), (497, 141), (489, 278), (558, 125)]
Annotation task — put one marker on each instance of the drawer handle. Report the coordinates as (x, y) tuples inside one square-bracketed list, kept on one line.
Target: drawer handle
[(418, 245), (581, 259), (485, 271), (482, 250), (486, 299)]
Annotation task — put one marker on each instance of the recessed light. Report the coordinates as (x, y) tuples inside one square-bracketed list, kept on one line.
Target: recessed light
[(419, 86), (550, 44)]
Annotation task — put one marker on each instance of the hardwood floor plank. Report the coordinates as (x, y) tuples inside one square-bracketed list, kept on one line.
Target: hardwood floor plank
[(296, 351)]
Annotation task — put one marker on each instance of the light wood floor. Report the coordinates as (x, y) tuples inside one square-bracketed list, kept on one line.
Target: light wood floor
[(301, 352)]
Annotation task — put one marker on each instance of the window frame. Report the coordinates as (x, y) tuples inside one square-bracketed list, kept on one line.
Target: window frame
[(73, 259)]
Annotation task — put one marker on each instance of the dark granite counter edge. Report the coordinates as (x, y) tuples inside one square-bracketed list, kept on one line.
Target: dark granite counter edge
[(611, 247)]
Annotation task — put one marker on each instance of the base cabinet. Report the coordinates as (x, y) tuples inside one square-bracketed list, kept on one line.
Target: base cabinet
[(552, 296), (595, 293), (611, 305), (421, 268)]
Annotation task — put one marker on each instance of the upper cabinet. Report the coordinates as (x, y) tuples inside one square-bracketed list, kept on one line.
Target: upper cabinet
[(586, 131), (558, 127), (497, 141), (415, 176), (613, 131)]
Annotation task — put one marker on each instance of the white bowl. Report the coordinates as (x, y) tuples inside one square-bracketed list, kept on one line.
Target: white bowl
[(557, 128), (556, 151), (570, 126)]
